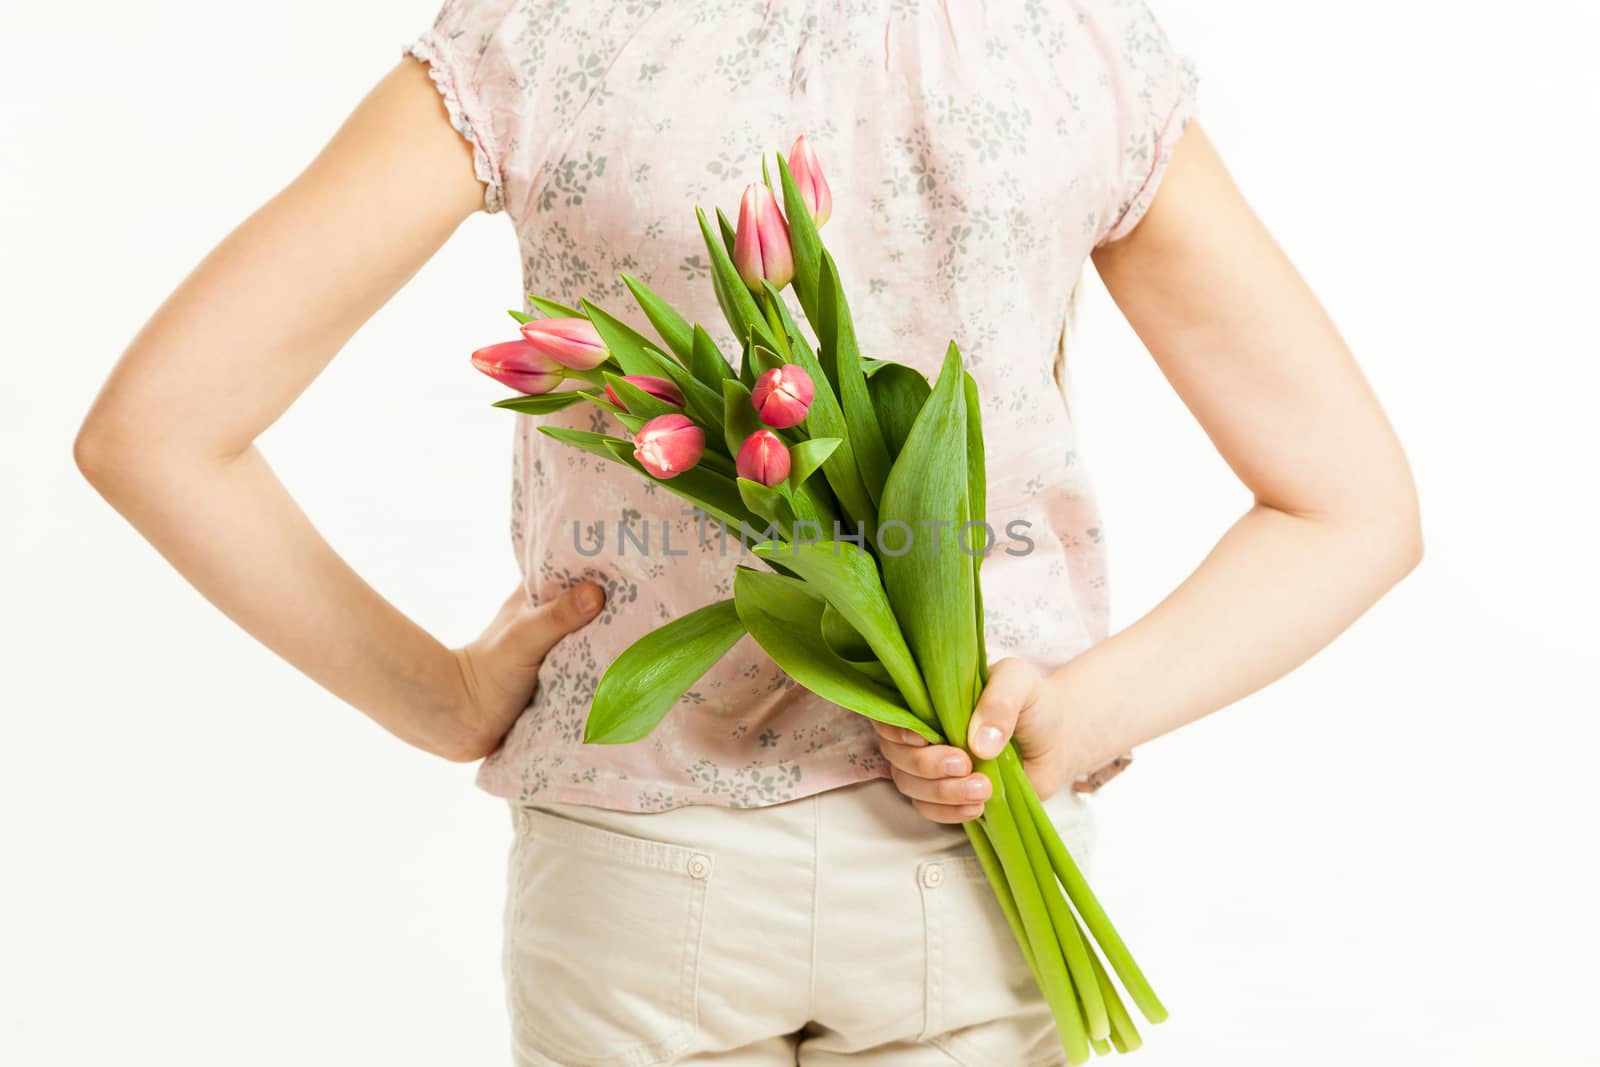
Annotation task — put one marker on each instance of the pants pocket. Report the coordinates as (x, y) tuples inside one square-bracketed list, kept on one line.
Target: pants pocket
[(983, 1004), (602, 942)]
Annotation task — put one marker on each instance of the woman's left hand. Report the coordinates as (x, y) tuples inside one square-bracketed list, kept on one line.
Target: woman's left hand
[(1018, 701)]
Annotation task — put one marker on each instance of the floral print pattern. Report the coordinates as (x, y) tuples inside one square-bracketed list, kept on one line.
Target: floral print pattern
[(979, 151)]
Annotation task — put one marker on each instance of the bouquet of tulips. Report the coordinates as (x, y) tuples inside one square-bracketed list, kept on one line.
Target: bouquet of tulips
[(861, 487)]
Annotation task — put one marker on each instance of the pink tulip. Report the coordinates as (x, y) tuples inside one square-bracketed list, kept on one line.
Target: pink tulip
[(761, 240), (661, 388), (783, 395), (763, 458), (572, 343), (521, 366), (668, 445), (807, 171)]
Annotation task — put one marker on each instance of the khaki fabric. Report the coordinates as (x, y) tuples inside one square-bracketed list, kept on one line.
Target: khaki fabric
[(839, 928)]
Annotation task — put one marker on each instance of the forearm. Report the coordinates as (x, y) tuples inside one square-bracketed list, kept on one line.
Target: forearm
[(230, 527), (1276, 589)]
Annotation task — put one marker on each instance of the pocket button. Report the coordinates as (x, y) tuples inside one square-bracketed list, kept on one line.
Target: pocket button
[(699, 866), (933, 876)]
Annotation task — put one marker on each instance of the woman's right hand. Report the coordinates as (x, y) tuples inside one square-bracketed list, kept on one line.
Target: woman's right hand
[(500, 669)]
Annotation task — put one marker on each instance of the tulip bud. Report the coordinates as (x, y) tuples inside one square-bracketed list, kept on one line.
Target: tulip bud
[(572, 343), (763, 458), (807, 171), (661, 388), (668, 445), (761, 240), (521, 366), (783, 395)]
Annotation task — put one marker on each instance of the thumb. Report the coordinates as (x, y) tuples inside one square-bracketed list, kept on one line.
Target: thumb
[(537, 632), (1009, 693)]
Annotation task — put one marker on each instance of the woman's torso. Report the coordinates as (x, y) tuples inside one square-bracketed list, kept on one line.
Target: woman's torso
[(976, 156)]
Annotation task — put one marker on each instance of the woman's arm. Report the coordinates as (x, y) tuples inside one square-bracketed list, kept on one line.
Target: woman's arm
[(1333, 526), (169, 440)]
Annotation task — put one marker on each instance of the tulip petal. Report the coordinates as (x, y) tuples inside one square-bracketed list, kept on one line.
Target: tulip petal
[(733, 296)]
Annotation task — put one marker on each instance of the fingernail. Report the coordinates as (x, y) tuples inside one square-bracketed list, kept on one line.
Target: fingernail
[(976, 788), (972, 811), (954, 765), (989, 741)]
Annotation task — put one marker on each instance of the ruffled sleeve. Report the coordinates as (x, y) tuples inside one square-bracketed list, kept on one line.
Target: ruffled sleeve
[(1153, 90), (462, 50)]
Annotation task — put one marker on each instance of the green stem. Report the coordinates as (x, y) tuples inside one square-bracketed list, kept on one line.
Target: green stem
[(1083, 898), (776, 322), (1124, 1035), (1067, 932), (999, 823), (597, 376), (1002, 892)]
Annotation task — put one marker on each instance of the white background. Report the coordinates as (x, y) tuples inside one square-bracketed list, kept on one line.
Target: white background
[(1386, 858)]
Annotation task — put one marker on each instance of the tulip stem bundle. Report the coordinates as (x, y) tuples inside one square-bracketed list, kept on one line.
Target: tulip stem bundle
[(865, 483)]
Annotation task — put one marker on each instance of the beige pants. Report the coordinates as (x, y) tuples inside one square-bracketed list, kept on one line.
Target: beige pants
[(841, 928)]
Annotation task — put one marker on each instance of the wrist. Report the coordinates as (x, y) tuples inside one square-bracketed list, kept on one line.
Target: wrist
[(457, 728), (1093, 734)]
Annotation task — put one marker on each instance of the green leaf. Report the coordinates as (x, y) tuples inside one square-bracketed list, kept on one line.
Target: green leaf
[(808, 455), (769, 503), (804, 240), (898, 393), (730, 235), (765, 359), (649, 677), (869, 367), (739, 418), (977, 511), (544, 403), (747, 365), (780, 307), (630, 348), (706, 361), (637, 402), (931, 582), (664, 317), (522, 317), (712, 491), (589, 441), (837, 338), (847, 578), (786, 621), (552, 309), (850, 646), (701, 402)]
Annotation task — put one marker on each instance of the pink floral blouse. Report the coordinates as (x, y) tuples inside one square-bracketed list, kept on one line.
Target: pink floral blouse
[(977, 149)]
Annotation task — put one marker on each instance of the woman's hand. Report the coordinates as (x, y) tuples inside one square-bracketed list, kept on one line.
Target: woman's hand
[(499, 669), (1018, 701)]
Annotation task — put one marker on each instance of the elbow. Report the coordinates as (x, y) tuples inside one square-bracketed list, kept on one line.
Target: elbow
[(94, 452), (1394, 536)]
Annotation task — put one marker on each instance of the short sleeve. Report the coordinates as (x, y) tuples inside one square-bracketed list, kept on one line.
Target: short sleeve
[(469, 70), (1153, 96)]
